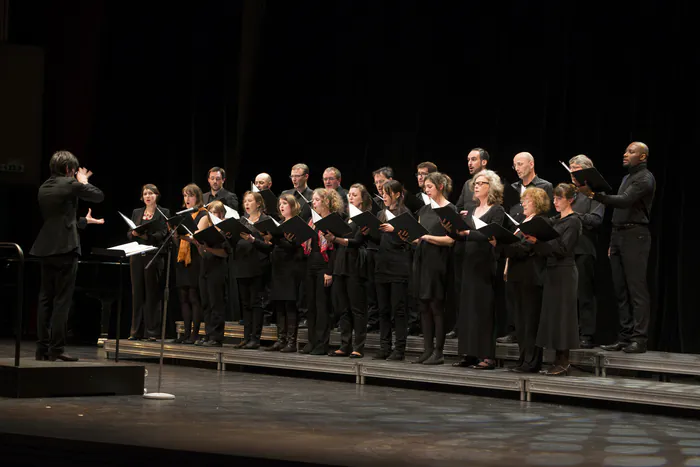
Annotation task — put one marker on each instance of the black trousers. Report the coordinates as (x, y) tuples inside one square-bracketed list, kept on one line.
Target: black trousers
[(629, 254), (352, 309), (214, 278), (250, 292), (58, 275), (392, 297), (146, 295), (586, 294), (318, 312), (527, 306)]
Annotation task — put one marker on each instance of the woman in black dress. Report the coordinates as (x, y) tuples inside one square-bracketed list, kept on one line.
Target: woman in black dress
[(251, 258), (214, 277), (146, 283), (320, 255), (432, 266), (558, 327), (350, 278), (287, 273), (187, 269), (524, 275), (392, 270), (477, 297)]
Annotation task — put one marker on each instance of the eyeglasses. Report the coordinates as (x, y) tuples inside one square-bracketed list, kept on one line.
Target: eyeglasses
[(294, 177), (421, 175), (329, 179), (481, 183)]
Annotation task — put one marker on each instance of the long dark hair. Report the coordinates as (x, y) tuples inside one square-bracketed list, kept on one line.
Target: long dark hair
[(392, 187)]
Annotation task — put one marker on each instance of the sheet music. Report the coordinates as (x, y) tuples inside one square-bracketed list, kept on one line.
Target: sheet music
[(133, 248), (231, 213), (425, 198), (478, 223), (315, 216), (253, 188), (434, 204), (512, 220), (128, 221), (276, 223), (214, 219), (353, 210), (565, 166), (389, 215)]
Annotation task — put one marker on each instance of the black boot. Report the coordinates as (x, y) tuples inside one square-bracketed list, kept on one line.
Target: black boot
[(281, 334), (291, 336), (435, 359), (426, 320)]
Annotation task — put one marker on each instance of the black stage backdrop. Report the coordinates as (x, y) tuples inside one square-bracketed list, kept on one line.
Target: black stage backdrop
[(147, 92)]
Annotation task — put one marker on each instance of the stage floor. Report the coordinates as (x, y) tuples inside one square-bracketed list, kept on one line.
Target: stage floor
[(336, 423)]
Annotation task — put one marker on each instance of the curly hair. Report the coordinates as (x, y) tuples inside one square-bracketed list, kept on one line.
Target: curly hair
[(495, 186), (331, 199)]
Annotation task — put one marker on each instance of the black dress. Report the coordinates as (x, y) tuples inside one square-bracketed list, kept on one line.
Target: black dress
[(188, 276), (432, 264), (558, 327), (477, 299), (287, 269)]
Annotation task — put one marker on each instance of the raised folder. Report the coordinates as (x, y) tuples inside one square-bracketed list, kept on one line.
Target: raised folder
[(299, 228), (146, 227), (539, 228), (593, 179), (448, 214), (334, 224), (408, 223)]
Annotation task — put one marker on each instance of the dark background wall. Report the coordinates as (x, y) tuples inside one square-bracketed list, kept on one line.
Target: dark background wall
[(144, 92)]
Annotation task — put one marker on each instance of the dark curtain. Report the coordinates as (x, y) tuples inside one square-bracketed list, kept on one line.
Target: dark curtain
[(260, 86)]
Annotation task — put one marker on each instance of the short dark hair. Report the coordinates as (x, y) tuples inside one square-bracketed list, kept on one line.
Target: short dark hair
[(483, 154), (62, 162), (428, 165), (153, 188), (217, 169), (387, 171)]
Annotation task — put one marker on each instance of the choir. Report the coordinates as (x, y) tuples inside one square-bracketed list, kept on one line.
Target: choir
[(369, 271)]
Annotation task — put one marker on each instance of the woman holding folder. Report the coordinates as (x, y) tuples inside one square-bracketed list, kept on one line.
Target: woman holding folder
[(350, 278), (477, 297), (287, 273), (320, 255), (524, 274), (214, 275), (391, 274), (187, 268), (251, 258), (558, 327), (432, 264), (146, 283)]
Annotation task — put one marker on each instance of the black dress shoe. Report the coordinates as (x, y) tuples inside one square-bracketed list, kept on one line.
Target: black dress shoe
[(509, 339), (396, 355), (451, 335), (381, 355), (252, 345), (635, 347), (617, 346), (522, 369), (63, 357), (424, 356), (212, 343), (276, 347), (241, 344), (586, 342), (435, 359), (307, 348), (41, 355)]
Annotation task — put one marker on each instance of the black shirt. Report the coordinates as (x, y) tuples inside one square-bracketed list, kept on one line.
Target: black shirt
[(591, 213), (223, 195), (634, 197)]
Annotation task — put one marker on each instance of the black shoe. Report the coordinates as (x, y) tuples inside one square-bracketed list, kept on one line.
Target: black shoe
[(381, 355), (178, 340), (303, 324), (396, 355), (276, 347), (586, 342), (557, 370), (289, 348), (616, 347), (63, 357), (424, 356), (635, 347), (200, 342), (212, 343), (241, 344), (435, 359), (41, 355), (451, 335), (521, 369), (252, 345), (134, 338), (307, 348), (320, 350), (509, 339)]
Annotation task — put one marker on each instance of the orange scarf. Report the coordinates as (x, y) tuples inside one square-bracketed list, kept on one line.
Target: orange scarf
[(184, 254)]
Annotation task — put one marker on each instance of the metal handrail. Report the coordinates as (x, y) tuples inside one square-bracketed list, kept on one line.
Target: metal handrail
[(20, 295)]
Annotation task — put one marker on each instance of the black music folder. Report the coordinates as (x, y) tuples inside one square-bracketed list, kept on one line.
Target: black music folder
[(369, 220), (408, 223), (500, 233), (377, 204), (539, 228), (269, 226), (210, 236), (511, 196), (593, 179), (447, 214), (412, 202), (270, 200), (334, 224), (299, 228), (185, 222), (146, 227)]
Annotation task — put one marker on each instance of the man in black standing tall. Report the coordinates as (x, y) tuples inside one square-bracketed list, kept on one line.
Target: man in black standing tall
[(216, 178), (630, 243), (58, 246)]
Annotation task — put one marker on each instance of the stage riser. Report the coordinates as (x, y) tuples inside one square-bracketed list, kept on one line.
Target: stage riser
[(66, 380), (611, 389)]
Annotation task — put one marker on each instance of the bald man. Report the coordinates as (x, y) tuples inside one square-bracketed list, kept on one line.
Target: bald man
[(263, 181), (524, 165), (630, 243)]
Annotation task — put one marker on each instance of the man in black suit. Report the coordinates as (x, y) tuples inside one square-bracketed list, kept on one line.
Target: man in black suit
[(332, 180), (216, 178), (58, 245)]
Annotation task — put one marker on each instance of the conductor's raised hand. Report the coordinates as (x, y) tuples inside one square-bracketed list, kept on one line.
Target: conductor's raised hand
[(83, 175), (92, 220)]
